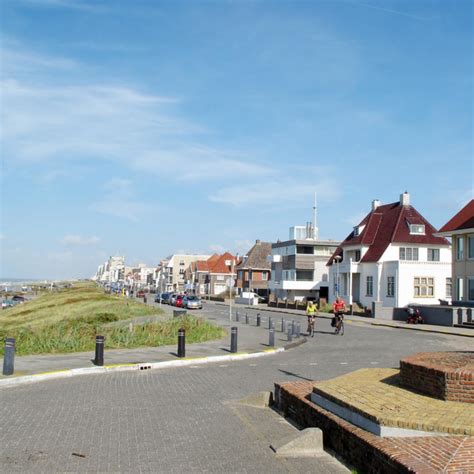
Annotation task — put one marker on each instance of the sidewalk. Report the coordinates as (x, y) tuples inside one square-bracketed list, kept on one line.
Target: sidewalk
[(252, 342), (360, 319)]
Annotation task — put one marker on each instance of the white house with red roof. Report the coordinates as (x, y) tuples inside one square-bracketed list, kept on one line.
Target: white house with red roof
[(460, 229), (392, 257)]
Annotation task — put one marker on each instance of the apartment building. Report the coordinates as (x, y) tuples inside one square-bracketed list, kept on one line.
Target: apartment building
[(298, 265), (176, 269)]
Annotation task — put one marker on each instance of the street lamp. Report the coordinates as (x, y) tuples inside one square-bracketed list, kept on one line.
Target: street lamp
[(338, 258)]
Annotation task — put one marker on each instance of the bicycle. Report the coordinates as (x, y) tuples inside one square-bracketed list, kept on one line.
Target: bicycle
[(339, 324), (310, 329)]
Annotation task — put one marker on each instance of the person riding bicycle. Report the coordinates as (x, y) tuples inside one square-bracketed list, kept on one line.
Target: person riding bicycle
[(339, 308), (311, 312)]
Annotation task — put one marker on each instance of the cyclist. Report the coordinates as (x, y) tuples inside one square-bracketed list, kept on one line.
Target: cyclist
[(311, 311), (339, 308)]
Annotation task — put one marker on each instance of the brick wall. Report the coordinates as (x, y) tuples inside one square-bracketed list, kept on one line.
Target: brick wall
[(447, 376)]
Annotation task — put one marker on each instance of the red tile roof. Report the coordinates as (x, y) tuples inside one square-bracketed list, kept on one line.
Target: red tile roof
[(464, 219), (389, 224), (215, 264)]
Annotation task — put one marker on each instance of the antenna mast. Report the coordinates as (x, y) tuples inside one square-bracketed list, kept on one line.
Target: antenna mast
[(315, 221)]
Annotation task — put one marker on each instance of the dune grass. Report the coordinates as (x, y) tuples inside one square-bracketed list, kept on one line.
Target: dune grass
[(68, 321)]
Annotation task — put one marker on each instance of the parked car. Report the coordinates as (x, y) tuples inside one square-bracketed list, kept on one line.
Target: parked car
[(172, 299), (252, 295), (19, 298), (192, 302), (8, 304), (162, 297), (140, 294), (179, 301)]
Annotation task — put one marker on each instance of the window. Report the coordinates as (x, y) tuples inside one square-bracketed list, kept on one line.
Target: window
[(459, 289), (220, 277), (408, 253), (264, 276), (449, 287), (357, 256), (370, 286), (250, 275), (304, 275), (460, 248), (423, 287), (470, 289), (391, 286), (417, 229), (470, 246), (305, 249), (358, 230), (181, 271), (433, 255)]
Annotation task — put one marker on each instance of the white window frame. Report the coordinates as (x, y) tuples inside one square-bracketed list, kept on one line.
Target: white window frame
[(390, 287), (264, 276), (460, 248), (449, 287), (220, 277), (470, 238), (409, 254), (369, 286), (432, 253), (424, 287), (417, 229)]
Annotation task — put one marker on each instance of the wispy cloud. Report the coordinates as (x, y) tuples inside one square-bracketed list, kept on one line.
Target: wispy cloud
[(88, 7), (80, 240)]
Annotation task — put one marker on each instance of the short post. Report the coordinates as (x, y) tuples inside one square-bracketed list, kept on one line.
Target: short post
[(290, 334), (283, 325), (293, 328), (233, 339), (99, 350), (271, 337), (246, 318), (9, 356), (181, 342), (298, 330), (237, 318), (144, 299), (270, 322), (259, 319)]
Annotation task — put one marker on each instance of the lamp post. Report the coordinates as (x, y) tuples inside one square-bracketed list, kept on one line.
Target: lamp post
[(230, 284), (337, 258)]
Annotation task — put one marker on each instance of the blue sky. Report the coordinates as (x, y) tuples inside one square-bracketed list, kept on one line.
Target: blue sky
[(148, 127)]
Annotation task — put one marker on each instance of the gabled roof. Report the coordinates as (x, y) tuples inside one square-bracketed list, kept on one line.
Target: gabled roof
[(389, 224), (464, 219), (257, 257), (214, 264)]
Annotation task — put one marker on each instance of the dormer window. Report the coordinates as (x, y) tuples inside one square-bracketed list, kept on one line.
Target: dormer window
[(417, 229), (358, 230)]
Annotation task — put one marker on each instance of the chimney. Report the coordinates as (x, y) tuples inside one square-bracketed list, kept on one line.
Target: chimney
[(257, 242), (405, 199), (375, 204)]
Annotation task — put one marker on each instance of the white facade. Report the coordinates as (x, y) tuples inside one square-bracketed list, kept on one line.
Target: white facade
[(393, 281), (177, 266)]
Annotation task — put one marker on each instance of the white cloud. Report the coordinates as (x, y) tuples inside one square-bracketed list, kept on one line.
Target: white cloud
[(79, 240)]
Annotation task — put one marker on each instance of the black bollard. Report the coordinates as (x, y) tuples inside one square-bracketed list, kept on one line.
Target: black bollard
[(9, 356), (181, 342), (258, 319), (99, 350), (290, 334), (237, 318), (270, 323), (233, 339), (144, 299), (271, 337), (283, 325), (246, 318)]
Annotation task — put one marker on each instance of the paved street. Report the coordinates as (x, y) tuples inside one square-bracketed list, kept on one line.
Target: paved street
[(178, 420)]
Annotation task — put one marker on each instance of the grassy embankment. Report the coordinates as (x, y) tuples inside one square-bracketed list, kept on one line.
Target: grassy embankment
[(68, 321)]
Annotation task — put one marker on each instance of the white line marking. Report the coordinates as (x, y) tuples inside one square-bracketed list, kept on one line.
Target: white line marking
[(252, 365), (313, 363), (223, 365), (374, 362), (343, 363)]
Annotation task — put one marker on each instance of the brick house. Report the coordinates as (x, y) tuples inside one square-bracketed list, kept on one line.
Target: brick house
[(392, 257), (254, 271), (208, 277), (461, 230)]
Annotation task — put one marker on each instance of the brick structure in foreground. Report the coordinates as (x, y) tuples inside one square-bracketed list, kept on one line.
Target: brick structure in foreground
[(370, 453), (443, 375)]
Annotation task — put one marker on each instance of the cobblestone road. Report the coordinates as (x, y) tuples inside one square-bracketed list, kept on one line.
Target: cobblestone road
[(178, 420)]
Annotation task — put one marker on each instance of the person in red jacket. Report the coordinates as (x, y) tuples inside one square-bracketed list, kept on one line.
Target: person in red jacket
[(339, 307)]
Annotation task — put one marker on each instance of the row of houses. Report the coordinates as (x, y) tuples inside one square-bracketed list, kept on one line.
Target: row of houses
[(394, 256)]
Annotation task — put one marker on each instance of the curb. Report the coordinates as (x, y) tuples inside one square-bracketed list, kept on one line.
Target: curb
[(422, 328), (60, 374)]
